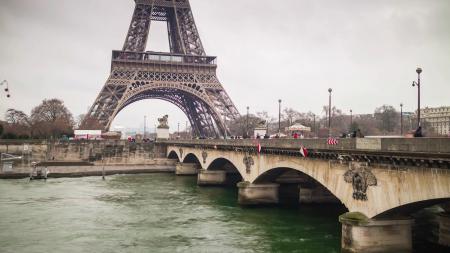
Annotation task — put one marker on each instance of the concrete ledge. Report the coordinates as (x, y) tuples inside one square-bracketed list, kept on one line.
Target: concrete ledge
[(211, 177), (257, 194), (85, 171)]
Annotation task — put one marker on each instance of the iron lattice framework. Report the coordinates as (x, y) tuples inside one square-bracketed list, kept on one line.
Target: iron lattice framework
[(185, 77)]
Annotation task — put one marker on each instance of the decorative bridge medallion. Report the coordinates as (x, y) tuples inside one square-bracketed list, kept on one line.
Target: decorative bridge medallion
[(204, 155), (248, 161), (361, 178)]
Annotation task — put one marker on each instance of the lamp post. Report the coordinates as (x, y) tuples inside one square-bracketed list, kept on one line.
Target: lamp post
[(314, 125), (178, 133), (4, 82), (329, 112), (401, 118), (418, 71), (351, 118), (145, 126), (246, 128), (279, 116)]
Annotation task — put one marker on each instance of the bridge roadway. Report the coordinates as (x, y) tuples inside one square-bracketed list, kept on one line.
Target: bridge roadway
[(381, 181)]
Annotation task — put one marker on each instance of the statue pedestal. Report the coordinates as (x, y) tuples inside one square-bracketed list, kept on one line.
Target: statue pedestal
[(261, 131), (162, 133)]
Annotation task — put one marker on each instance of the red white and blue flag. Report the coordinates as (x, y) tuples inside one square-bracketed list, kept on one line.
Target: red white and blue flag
[(332, 141)]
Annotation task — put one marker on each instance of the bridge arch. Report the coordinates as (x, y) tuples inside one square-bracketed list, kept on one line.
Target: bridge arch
[(295, 183), (222, 164), (191, 158), (410, 208), (191, 99), (173, 155)]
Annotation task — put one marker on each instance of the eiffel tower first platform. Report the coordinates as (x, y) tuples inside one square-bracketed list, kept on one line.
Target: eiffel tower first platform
[(185, 77)]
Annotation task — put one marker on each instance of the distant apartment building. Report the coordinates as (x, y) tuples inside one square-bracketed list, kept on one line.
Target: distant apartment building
[(438, 118)]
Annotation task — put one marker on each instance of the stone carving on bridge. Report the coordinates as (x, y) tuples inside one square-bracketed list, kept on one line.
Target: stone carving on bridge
[(204, 155), (164, 122), (181, 153), (249, 162), (361, 178)]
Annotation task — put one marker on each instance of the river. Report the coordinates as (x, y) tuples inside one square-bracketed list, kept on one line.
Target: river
[(153, 213)]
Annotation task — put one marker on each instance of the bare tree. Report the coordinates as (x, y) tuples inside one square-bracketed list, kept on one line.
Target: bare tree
[(17, 124), (387, 118), (52, 118), (16, 117)]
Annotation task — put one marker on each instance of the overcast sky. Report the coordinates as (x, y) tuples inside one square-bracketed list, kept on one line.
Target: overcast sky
[(366, 50)]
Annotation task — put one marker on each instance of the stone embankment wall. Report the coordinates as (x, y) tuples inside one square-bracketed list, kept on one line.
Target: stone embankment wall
[(96, 152)]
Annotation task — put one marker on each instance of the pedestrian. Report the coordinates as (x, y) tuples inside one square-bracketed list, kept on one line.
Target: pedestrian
[(359, 134), (418, 132)]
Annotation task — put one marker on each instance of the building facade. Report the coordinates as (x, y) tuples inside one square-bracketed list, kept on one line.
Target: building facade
[(438, 118)]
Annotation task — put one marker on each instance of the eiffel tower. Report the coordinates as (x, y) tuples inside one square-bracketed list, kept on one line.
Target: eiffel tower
[(185, 77)]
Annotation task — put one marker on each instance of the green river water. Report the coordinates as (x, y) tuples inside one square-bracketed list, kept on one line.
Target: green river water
[(153, 213)]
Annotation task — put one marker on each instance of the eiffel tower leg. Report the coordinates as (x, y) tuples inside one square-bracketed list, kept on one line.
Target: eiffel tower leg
[(104, 107), (137, 36)]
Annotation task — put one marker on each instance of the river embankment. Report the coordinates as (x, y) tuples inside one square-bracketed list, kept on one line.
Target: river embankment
[(82, 158)]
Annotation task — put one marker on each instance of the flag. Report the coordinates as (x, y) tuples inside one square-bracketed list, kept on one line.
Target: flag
[(304, 151), (258, 148)]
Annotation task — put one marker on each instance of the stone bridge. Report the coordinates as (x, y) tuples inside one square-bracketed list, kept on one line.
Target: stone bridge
[(380, 181)]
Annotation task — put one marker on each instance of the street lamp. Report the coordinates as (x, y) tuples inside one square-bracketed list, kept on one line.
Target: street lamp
[(4, 82), (314, 129), (145, 126), (279, 116), (401, 119), (351, 118), (418, 71), (329, 112), (248, 108)]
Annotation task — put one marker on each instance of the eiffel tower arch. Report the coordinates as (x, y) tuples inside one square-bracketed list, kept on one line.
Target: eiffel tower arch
[(185, 77)]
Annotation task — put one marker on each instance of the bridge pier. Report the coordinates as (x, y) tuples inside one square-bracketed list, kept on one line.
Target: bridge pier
[(360, 234), (186, 169), (212, 177), (444, 229), (256, 194)]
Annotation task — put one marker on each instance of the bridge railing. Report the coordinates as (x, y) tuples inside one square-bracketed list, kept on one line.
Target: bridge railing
[(415, 145)]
